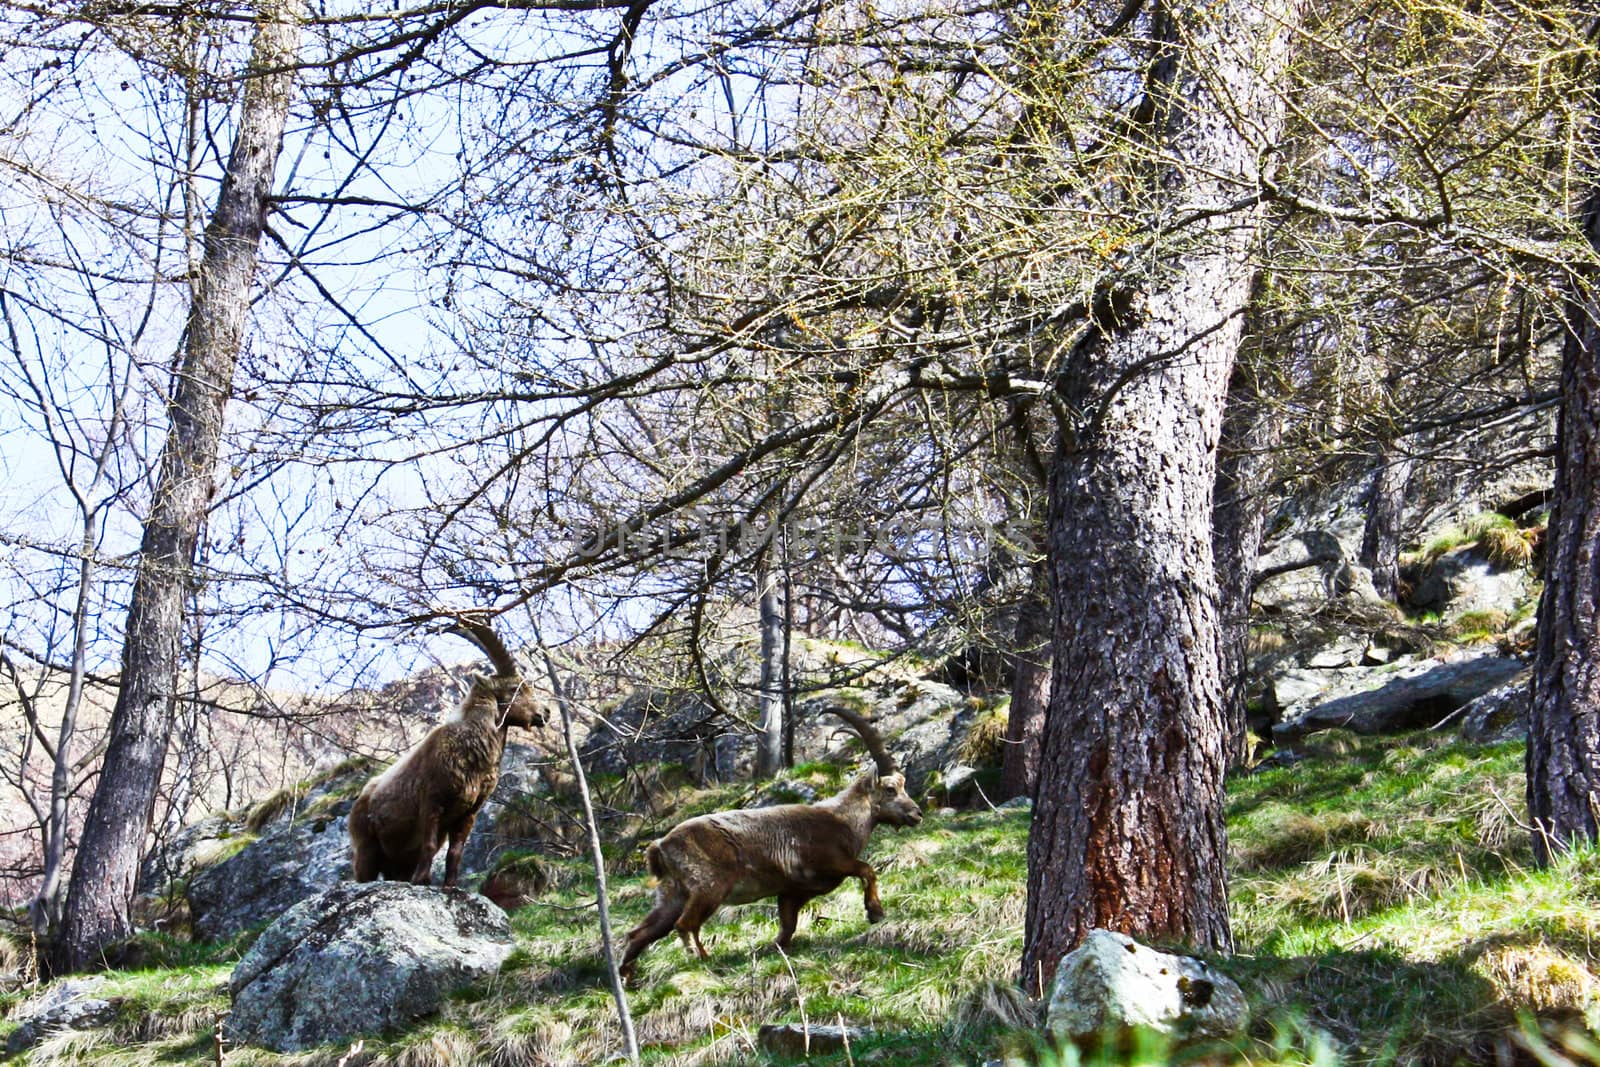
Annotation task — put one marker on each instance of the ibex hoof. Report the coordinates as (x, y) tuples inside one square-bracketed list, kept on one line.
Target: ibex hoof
[(875, 916)]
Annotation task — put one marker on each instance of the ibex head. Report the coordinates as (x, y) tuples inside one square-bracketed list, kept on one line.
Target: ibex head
[(518, 704), (891, 804)]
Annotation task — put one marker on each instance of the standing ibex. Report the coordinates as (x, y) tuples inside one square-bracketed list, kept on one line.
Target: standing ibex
[(793, 852), (434, 791)]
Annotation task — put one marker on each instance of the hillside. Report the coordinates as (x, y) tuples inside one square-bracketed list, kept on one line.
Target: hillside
[(1383, 900)]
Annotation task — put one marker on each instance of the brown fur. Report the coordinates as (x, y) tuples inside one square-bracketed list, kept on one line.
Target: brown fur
[(433, 792), (794, 852)]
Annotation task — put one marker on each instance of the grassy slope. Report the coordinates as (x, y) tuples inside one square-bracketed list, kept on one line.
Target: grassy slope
[(1383, 902)]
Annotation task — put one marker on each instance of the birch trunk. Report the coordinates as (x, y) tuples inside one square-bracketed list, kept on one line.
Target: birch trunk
[(1386, 511), (769, 740), (1030, 692), (1250, 430)]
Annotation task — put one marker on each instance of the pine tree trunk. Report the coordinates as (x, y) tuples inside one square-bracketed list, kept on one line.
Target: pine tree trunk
[(1030, 691), (1563, 755), (107, 862), (1251, 428), (1128, 824), (1386, 510)]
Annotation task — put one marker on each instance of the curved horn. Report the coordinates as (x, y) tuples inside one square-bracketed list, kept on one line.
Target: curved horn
[(477, 630), (869, 737)]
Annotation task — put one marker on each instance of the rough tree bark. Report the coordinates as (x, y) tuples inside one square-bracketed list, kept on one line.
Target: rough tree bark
[(1386, 510), (1030, 690), (1128, 825), (107, 862), (1563, 755), (1251, 429)]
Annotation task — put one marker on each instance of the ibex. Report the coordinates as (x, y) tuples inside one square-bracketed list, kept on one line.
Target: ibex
[(793, 852), (433, 792)]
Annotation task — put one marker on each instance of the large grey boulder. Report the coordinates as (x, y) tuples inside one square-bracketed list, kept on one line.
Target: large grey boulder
[(66, 1005), (361, 959), (1111, 983), (1467, 581), (1418, 695)]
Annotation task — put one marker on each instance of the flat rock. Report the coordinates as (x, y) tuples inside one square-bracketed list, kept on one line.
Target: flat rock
[(798, 1039), (64, 1005), (1501, 714), (1416, 696)]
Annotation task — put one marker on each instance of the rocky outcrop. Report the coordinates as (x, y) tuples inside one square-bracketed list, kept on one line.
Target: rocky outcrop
[(499, 827), (657, 726), (362, 959), (287, 863), (1465, 581), (178, 857), (1111, 984), (925, 719), (1411, 697), (306, 849)]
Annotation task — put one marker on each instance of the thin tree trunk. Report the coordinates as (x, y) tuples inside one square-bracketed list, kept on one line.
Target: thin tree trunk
[(1030, 690), (1251, 428), (619, 993), (1128, 825), (769, 739), (1386, 511), (107, 862), (47, 904), (1563, 755)]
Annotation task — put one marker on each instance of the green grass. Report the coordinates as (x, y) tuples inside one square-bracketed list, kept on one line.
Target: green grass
[(1384, 902)]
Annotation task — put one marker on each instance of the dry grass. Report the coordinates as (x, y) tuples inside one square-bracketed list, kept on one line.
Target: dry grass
[(1508, 546), (1262, 640), (1291, 836), (282, 801)]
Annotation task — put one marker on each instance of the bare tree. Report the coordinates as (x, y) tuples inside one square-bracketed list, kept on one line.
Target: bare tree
[(107, 861)]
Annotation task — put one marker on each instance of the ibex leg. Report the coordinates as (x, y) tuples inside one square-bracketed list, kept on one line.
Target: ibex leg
[(696, 910), (655, 926), (869, 890), (788, 918)]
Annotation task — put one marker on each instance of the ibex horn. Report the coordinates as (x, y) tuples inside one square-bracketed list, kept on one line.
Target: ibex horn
[(869, 736), (477, 630)]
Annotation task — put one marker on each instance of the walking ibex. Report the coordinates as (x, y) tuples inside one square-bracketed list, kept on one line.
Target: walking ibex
[(793, 852)]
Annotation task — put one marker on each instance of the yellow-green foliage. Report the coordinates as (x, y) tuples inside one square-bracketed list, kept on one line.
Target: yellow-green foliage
[(1501, 539), (984, 743)]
